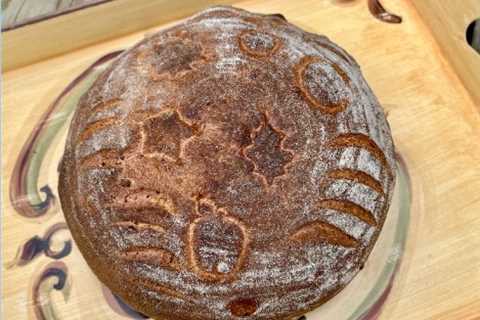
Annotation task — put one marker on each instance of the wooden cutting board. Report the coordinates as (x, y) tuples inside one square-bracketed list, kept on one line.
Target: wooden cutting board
[(435, 124)]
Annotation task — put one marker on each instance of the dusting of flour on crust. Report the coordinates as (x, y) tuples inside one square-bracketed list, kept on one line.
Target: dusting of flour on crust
[(231, 162)]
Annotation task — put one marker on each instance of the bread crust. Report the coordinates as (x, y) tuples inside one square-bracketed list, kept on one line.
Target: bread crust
[(233, 166)]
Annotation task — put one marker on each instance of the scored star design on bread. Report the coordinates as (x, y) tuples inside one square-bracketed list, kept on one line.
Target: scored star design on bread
[(164, 134), (267, 153)]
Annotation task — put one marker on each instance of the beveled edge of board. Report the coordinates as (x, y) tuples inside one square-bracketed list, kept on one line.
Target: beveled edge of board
[(448, 22)]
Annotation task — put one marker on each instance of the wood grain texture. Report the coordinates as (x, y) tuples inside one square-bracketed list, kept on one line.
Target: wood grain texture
[(448, 21), (19, 12), (435, 124), (37, 41)]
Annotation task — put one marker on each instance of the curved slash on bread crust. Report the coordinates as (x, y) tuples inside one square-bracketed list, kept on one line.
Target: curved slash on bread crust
[(357, 176), (320, 231), (348, 207), (363, 141), (105, 158), (158, 288), (139, 226), (143, 199), (95, 126), (155, 256), (105, 105)]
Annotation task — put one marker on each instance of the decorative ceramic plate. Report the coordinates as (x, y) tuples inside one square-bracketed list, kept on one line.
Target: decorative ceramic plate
[(63, 287)]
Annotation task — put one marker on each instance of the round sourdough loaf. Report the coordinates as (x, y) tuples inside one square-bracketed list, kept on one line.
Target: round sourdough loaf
[(230, 167)]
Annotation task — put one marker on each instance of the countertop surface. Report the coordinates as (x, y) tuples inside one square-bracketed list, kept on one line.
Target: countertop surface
[(434, 118)]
